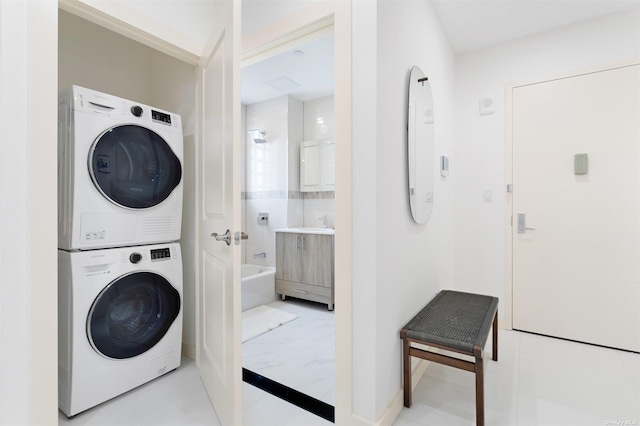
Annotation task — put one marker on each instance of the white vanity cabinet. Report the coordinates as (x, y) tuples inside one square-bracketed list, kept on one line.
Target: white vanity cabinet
[(317, 165), (304, 266)]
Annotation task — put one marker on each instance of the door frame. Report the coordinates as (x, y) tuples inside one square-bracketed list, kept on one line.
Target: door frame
[(315, 21), (508, 221)]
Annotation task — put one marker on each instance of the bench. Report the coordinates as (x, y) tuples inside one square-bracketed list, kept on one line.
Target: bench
[(457, 322)]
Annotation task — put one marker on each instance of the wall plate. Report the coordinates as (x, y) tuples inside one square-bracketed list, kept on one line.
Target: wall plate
[(487, 106)]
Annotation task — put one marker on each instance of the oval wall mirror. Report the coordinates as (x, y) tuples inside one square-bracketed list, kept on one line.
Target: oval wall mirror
[(420, 144)]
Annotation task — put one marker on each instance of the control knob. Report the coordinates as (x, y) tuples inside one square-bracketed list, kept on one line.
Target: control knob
[(136, 110), (135, 257)]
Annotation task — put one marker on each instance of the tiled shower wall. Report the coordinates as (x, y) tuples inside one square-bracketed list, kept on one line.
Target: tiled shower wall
[(271, 175)]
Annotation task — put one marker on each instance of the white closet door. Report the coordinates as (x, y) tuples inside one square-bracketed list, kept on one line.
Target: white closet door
[(218, 209), (576, 273)]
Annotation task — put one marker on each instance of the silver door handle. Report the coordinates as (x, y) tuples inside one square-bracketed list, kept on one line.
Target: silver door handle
[(226, 237), (522, 223)]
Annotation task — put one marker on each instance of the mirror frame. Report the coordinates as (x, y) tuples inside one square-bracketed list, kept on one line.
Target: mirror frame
[(420, 146)]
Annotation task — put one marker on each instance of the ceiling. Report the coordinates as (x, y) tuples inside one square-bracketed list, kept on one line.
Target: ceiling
[(476, 24), (312, 71), (468, 24)]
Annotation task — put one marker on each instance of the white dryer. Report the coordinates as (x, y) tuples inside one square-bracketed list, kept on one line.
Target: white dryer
[(119, 172), (119, 320)]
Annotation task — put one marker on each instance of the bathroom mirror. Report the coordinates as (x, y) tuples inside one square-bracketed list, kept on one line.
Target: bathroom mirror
[(420, 146)]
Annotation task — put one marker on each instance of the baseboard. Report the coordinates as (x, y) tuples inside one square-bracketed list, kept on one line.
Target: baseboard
[(392, 411), (189, 350), (503, 324)]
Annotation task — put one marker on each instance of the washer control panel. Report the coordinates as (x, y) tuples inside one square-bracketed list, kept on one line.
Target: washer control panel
[(160, 254)]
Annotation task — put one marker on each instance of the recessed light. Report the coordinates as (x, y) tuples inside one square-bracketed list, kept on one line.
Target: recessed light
[(298, 52)]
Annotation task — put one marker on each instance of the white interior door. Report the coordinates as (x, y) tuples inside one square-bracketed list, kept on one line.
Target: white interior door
[(218, 194), (576, 273)]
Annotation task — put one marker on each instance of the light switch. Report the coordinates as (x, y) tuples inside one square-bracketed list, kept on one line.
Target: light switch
[(429, 197), (580, 164), (487, 195)]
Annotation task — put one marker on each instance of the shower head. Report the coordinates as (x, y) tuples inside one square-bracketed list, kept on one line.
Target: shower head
[(258, 136)]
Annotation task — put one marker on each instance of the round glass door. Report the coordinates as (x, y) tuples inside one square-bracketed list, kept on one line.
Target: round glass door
[(132, 314), (134, 167)]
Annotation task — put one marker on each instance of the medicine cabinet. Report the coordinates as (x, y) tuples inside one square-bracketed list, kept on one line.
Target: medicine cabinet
[(317, 165)]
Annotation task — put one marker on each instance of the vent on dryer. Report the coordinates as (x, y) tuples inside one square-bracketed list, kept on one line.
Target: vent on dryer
[(156, 225)]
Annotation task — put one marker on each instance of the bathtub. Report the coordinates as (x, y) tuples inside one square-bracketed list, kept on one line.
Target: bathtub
[(258, 285)]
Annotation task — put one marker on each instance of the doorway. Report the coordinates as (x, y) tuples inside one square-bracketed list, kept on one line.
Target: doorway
[(575, 207), (288, 99)]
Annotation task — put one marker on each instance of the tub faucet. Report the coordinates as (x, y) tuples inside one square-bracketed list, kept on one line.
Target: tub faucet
[(261, 254)]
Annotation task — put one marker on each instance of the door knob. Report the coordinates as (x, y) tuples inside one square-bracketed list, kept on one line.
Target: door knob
[(226, 237)]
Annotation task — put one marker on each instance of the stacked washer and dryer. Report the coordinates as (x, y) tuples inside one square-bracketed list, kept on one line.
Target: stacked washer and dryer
[(119, 260)]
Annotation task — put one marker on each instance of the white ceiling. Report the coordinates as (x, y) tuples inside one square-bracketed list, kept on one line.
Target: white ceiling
[(313, 71), (468, 24), (475, 24)]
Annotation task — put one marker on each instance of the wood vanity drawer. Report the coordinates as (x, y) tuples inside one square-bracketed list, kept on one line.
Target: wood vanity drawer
[(304, 291)]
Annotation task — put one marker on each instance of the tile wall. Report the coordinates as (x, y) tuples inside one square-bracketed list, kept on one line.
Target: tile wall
[(271, 174), (319, 123)]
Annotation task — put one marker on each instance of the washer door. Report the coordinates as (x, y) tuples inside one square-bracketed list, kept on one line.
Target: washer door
[(134, 167), (132, 314)]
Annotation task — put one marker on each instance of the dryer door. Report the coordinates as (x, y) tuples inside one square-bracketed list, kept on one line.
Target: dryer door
[(134, 167), (132, 314)]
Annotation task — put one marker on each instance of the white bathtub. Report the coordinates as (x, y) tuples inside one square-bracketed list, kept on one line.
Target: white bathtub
[(258, 285)]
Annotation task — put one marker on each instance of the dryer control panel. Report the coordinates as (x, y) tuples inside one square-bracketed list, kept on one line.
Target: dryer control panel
[(160, 117)]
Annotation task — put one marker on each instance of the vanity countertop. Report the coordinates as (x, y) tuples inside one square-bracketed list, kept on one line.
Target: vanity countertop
[(325, 231)]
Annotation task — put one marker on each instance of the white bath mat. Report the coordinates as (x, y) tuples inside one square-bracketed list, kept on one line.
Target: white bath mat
[(261, 319)]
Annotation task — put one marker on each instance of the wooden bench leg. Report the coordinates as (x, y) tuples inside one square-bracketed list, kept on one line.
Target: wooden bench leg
[(479, 392), (495, 337), (406, 367)]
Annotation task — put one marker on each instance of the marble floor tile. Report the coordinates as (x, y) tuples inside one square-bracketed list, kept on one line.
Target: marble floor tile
[(299, 354), (179, 398)]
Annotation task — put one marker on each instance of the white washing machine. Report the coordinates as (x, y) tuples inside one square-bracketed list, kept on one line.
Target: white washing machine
[(119, 320), (119, 172)]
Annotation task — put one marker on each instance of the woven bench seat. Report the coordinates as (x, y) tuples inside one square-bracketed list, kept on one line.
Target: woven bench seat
[(452, 321)]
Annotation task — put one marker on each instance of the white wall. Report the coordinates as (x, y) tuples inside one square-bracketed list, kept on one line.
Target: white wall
[(412, 262), (28, 240), (267, 175), (94, 57), (479, 160)]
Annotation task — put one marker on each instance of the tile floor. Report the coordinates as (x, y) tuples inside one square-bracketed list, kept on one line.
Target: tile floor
[(179, 398), (299, 354), (537, 381)]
